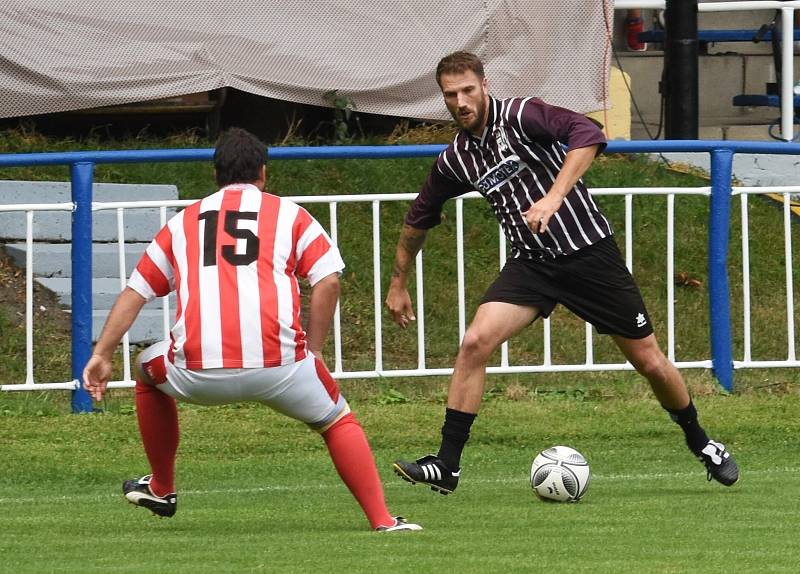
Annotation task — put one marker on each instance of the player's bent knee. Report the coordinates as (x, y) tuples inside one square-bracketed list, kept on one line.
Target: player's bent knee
[(476, 346), (344, 416), (652, 367), (347, 418)]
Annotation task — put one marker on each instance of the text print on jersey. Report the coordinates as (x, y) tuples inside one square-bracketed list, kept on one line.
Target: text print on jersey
[(498, 175), (232, 228)]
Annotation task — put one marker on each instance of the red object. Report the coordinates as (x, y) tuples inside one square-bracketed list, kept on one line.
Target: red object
[(325, 376), (158, 425), (633, 27), (353, 460)]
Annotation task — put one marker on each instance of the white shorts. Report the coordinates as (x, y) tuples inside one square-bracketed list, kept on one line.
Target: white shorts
[(305, 390)]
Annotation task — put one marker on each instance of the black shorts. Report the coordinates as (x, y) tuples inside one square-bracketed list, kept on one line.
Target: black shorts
[(593, 283)]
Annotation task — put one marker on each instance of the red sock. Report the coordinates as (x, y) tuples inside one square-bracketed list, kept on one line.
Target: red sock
[(158, 425), (353, 459)]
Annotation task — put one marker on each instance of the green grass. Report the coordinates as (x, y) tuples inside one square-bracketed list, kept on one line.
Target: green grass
[(259, 494)]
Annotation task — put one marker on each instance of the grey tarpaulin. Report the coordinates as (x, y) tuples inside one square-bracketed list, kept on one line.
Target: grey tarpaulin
[(69, 55)]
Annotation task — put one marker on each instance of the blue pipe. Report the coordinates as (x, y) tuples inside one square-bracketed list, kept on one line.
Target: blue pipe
[(82, 175), (718, 292), (372, 152), (207, 154)]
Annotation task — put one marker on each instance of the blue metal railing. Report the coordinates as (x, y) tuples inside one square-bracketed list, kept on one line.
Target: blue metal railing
[(82, 169), (718, 292)]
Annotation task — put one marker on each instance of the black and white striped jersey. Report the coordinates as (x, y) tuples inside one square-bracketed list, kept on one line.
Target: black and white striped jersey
[(513, 164)]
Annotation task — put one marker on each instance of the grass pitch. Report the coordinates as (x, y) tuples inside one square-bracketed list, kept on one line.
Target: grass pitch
[(258, 493)]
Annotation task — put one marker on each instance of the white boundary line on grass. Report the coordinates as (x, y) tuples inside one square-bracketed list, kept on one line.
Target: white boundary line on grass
[(283, 487)]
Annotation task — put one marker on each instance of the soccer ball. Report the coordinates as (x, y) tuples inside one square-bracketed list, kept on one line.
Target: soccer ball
[(560, 473)]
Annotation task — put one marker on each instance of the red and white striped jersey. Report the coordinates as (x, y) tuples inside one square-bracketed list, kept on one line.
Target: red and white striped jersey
[(234, 259)]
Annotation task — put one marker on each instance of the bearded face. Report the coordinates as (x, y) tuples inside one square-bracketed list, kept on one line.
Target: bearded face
[(467, 99)]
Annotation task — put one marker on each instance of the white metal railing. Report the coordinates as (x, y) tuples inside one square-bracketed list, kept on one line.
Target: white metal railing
[(786, 192), (421, 369), (787, 9), (29, 210)]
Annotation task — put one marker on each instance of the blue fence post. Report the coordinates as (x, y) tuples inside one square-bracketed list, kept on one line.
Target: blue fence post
[(718, 293), (82, 174)]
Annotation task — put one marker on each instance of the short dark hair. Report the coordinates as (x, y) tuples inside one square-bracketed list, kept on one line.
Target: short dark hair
[(458, 63), (238, 157)]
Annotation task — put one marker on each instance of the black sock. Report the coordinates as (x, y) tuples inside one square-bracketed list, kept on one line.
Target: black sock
[(455, 434), (686, 418)]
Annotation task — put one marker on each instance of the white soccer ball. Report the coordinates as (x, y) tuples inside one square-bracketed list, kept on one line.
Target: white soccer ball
[(560, 473)]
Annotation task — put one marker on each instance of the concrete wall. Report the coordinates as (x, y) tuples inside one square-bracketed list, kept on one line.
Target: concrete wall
[(725, 70), (721, 77), (140, 224), (52, 265)]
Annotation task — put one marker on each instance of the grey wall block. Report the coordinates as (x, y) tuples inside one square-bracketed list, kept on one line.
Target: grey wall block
[(104, 291), (147, 329), (53, 259), (140, 224)]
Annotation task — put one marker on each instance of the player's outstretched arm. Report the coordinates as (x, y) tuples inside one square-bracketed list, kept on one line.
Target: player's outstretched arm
[(398, 300), (98, 370), (324, 295)]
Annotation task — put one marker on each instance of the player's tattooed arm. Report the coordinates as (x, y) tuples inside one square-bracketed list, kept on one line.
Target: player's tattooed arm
[(398, 301), (412, 238), (409, 244)]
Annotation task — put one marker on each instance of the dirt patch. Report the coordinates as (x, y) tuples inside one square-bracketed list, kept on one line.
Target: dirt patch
[(46, 306)]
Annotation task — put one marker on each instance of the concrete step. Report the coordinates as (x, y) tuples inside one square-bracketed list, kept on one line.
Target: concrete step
[(104, 291), (148, 327), (54, 260), (140, 224)]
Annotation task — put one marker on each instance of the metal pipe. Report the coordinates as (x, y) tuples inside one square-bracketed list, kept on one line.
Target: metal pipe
[(29, 298), (746, 276), (123, 277), (420, 311), (787, 255), (337, 313), (462, 306), (670, 277), (680, 87), (718, 292), (376, 283), (165, 312), (502, 256), (365, 152), (82, 175), (787, 74)]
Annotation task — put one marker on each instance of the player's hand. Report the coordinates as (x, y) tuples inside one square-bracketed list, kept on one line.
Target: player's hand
[(398, 301), (539, 214), (96, 375)]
